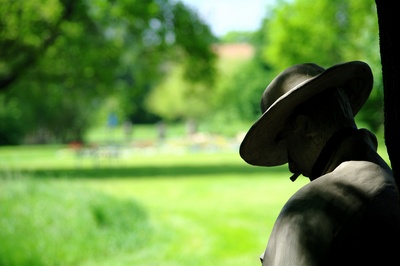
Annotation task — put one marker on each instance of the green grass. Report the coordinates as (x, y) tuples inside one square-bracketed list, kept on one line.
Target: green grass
[(200, 208), (141, 208), (59, 223), (221, 219)]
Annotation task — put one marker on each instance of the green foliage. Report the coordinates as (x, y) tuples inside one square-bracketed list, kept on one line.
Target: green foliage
[(11, 126), (327, 33), (177, 98), (68, 57), (48, 222), (197, 47), (185, 92), (47, 115), (27, 28), (63, 62), (238, 37), (241, 95)]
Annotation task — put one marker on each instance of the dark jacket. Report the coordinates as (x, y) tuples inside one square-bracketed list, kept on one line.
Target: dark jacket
[(348, 215)]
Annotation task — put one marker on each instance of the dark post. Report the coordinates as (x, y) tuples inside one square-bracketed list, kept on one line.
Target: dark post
[(389, 49)]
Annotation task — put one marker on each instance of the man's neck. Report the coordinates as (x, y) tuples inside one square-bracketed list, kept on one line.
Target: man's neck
[(325, 156)]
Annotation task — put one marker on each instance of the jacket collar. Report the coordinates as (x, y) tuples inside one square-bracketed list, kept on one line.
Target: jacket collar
[(347, 144)]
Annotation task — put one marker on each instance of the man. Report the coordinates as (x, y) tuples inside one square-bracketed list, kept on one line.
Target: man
[(349, 214)]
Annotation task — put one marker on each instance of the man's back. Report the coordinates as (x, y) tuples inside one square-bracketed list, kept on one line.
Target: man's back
[(350, 216)]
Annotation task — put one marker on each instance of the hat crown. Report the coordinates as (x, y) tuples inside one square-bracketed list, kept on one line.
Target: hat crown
[(287, 81)]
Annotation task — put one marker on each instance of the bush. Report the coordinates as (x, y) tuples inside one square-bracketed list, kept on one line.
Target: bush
[(48, 223), (11, 127)]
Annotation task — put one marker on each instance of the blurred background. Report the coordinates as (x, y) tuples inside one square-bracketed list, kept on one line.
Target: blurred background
[(120, 123)]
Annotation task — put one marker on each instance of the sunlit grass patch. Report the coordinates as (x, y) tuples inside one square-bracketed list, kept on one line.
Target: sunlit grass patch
[(221, 218), (202, 208), (199, 208), (58, 223)]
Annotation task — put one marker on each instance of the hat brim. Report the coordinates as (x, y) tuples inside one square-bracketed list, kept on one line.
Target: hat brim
[(261, 147)]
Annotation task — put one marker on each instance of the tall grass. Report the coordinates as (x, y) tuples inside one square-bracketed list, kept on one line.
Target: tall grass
[(59, 223), (147, 209)]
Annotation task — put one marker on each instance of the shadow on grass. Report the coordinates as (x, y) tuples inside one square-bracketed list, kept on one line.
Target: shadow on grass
[(179, 171)]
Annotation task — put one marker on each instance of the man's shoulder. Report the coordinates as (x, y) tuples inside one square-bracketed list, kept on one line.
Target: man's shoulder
[(361, 178), (364, 175)]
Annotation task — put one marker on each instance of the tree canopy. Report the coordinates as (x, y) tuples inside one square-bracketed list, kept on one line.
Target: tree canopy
[(60, 59), (323, 32), (64, 62)]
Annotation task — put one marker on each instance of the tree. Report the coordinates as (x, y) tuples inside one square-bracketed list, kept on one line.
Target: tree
[(327, 33), (71, 55), (179, 99), (27, 31)]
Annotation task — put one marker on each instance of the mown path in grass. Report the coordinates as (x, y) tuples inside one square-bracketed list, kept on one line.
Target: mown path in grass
[(202, 208)]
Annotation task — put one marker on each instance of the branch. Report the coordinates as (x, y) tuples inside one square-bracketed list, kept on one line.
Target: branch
[(32, 58)]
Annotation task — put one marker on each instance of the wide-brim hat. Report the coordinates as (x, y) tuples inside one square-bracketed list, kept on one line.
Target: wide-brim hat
[(261, 145)]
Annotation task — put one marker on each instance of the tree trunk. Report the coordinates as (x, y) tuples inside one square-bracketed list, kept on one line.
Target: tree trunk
[(389, 49)]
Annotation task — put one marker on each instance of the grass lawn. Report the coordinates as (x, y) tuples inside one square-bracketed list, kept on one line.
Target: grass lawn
[(200, 208), (206, 209), (203, 208)]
